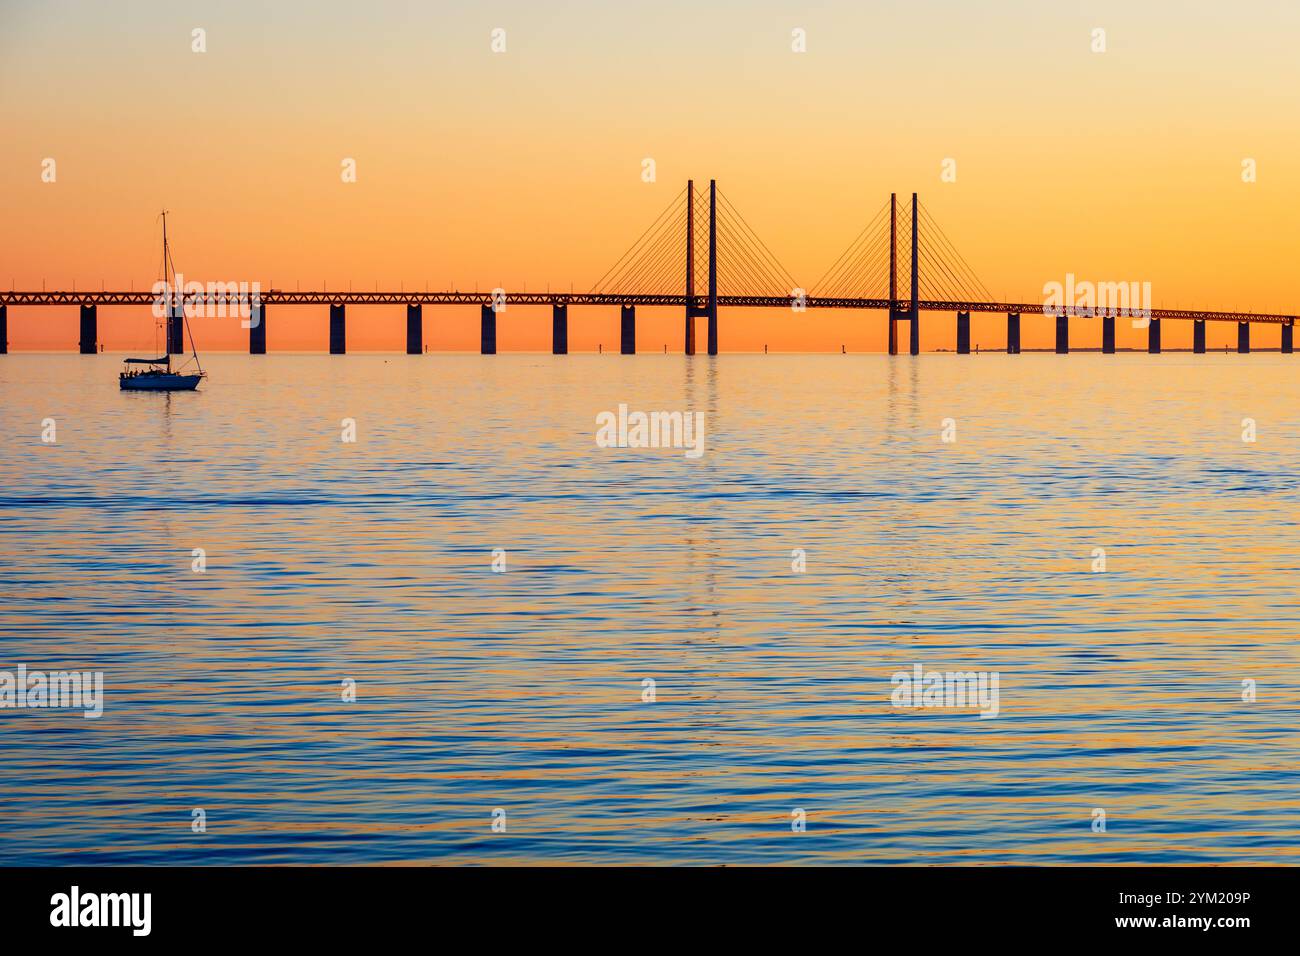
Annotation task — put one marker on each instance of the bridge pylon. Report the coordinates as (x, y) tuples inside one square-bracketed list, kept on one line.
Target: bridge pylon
[(710, 309), (893, 273), (914, 310), (897, 313)]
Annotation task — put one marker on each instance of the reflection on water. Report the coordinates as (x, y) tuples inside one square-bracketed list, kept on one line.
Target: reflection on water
[(522, 691)]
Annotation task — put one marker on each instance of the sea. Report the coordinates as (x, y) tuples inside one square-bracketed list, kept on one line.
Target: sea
[(392, 609)]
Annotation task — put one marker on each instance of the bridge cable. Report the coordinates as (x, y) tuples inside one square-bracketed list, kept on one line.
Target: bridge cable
[(623, 259)]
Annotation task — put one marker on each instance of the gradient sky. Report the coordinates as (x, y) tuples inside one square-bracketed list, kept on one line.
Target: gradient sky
[(524, 168)]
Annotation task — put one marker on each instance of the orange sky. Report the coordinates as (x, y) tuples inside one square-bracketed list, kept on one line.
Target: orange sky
[(523, 168)]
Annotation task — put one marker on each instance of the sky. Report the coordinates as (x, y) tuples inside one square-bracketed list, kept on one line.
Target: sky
[(524, 168)]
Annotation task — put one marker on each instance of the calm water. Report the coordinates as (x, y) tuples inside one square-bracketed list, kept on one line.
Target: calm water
[(522, 690)]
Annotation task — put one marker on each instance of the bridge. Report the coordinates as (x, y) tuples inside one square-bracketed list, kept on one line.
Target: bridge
[(662, 268)]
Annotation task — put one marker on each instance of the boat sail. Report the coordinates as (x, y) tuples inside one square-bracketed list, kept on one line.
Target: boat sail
[(157, 374)]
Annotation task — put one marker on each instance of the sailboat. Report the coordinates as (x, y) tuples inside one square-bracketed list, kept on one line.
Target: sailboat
[(157, 374)]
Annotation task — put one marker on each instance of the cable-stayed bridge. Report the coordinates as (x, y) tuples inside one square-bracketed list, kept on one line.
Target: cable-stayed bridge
[(701, 255)]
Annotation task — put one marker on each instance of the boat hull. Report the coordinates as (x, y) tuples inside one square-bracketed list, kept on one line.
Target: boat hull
[(160, 383)]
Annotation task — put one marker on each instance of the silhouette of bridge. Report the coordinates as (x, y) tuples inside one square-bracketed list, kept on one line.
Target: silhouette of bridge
[(735, 269)]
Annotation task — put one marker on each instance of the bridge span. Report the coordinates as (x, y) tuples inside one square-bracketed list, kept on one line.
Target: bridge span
[(661, 269)]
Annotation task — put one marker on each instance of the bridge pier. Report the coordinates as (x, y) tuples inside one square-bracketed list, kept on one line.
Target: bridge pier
[(1153, 337), (893, 332), (176, 328), (487, 330), (1286, 338), (89, 330), (414, 328), (627, 332), (963, 333), (1198, 336), (709, 312), (1013, 333), (1062, 334), (560, 328), (257, 329), (1243, 337), (4, 329), (338, 330), (1108, 334)]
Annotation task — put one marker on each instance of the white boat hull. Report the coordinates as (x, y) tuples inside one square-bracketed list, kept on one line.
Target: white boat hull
[(160, 383)]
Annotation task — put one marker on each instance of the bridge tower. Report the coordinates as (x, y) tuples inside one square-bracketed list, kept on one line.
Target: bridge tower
[(893, 273), (690, 266), (913, 312), (914, 335), (710, 309)]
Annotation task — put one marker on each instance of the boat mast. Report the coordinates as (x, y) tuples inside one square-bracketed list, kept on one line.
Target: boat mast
[(180, 300), (167, 258)]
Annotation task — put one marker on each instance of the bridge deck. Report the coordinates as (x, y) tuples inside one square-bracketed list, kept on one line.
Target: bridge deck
[(281, 297)]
